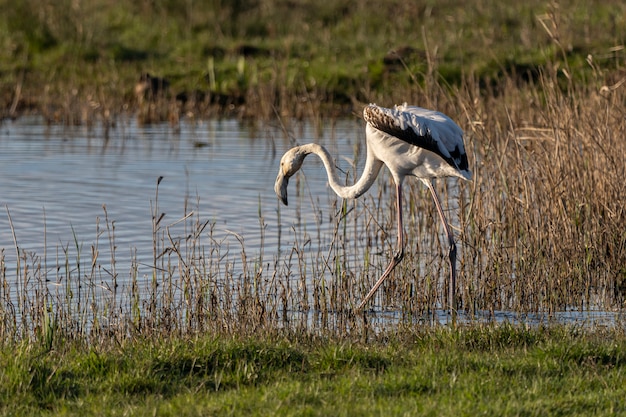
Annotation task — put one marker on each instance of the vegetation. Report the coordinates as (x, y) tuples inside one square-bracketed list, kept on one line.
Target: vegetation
[(78, 62), (538, 87), (495, 370)]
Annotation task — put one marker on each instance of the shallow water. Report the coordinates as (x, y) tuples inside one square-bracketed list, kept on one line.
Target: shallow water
[(57, 180), (62, 186)]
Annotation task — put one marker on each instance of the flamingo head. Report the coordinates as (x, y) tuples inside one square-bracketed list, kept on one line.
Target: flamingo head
[(290, 163)]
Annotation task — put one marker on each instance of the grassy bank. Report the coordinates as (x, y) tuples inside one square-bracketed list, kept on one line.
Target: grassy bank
[(479, 370), (78, 62)]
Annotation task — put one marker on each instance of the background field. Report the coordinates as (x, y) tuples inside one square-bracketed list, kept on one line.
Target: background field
[(78, 61)]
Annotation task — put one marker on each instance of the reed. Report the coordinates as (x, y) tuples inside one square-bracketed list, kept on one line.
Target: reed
[(540, 228)]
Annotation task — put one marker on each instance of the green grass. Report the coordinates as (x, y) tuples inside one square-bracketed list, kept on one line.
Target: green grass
[(478, 370), (77, 62)]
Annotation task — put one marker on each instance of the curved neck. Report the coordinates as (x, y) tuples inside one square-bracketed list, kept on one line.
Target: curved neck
[(370, 171)]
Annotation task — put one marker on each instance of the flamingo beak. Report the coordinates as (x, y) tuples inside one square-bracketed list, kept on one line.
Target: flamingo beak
[(280, 187)]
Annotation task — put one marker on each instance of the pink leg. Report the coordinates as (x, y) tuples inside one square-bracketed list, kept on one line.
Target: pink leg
[(451, 253), (399, 251)]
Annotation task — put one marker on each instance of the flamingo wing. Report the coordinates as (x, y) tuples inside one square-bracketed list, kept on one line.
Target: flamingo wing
[(427, 129)]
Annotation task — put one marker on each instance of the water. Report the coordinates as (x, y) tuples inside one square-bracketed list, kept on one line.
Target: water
[(57, 180)]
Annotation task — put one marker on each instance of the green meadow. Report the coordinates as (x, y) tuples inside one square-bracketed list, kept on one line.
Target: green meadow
[(78, 61), (480, 370)]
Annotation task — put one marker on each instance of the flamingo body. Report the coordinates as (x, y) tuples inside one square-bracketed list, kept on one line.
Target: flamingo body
[(410, 141), (414, 141)]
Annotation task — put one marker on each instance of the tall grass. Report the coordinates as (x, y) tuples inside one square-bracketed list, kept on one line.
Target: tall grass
[(540, 229), (548, 213)]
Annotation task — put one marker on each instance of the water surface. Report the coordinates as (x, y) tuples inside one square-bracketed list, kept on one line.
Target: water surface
[(61, 187), (57, 182)]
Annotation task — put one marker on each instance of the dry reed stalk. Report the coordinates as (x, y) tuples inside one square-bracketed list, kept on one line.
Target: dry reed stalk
[(540, 229), (544, 226)]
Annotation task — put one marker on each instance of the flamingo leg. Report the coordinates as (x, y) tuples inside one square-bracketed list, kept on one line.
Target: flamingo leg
[(451, 253), (399, 251)]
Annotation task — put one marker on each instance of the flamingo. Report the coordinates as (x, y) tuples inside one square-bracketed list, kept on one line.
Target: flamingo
[(410, 141)]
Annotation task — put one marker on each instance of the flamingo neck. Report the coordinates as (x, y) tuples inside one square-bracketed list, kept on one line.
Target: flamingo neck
[(368, 176)]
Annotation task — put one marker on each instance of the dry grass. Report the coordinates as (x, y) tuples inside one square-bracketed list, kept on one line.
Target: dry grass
[(545, 223), (540, 228)]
